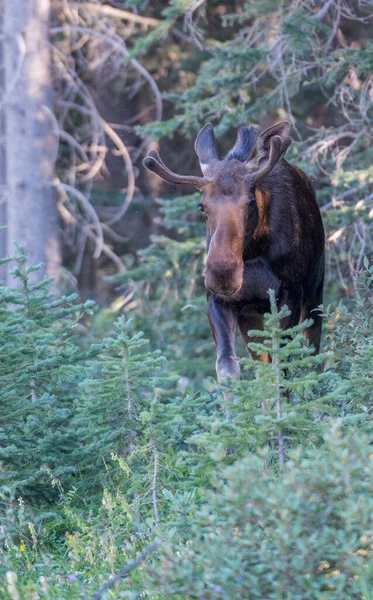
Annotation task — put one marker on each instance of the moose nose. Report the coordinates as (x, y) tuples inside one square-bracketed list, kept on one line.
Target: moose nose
[(223, 292), (223, 279)]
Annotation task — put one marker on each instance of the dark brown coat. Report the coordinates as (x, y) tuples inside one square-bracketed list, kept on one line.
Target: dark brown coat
[(264, 230)]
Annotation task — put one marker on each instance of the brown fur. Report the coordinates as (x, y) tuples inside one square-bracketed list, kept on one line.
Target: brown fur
[(264, 230)]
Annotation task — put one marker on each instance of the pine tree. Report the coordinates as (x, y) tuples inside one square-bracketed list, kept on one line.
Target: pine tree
[(124, 422), (350, 383), (277, 403), (38, 381)]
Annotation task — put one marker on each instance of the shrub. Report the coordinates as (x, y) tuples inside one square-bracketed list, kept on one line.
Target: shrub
[(305, 534)]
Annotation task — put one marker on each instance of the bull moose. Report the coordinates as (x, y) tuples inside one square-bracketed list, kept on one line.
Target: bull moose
[(264, 230)]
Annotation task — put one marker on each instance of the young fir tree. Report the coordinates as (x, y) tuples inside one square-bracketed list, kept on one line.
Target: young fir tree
[(125, 425), (350, 336), (38, 382), (278, 403)]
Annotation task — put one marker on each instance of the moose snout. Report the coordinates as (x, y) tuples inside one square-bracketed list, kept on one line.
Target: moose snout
[(224, 279)]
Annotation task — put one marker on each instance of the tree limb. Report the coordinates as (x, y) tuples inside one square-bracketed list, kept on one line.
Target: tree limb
[(123, 50), (118, 13), (127, 569)]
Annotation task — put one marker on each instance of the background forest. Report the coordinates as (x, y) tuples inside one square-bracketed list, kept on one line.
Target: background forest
[(121, 474)]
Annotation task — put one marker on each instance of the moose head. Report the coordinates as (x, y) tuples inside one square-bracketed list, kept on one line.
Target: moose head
[(229, 198)]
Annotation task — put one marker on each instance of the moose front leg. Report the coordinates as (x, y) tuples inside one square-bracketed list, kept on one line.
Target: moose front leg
[(223, 320), (292, 298), (250, 318)]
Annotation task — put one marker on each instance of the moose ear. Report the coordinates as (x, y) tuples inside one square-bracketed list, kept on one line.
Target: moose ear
[(206, 148), (281, 130)]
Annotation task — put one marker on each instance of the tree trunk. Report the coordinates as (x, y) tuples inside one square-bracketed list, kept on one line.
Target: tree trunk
[(31, 139), (3, 248)]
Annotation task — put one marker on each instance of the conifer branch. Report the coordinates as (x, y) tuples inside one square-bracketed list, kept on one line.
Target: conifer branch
[(154, 484), (276, 341), (126, 359)]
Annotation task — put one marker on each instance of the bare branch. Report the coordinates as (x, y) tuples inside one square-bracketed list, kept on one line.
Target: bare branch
[(127, 569), (70, 219), (122, 49), (89, 209), (123, 152), (117, 13)]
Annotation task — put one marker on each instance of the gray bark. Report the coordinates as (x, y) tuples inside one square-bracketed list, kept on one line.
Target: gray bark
[(30, 142), (3, 248)]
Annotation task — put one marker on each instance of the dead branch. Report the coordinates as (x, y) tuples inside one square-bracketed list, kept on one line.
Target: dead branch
[(122, 49), (127, 569), (89, 210), (123, 152), (117, 13)]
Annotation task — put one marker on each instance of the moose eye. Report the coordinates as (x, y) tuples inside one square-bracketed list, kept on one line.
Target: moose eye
[(201, 207)]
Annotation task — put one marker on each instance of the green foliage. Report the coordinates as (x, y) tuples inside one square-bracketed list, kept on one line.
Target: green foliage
[(37, 380), (115, 443), (306, 534), (277, 402), (121, 420), (268, 499), (351, 337)]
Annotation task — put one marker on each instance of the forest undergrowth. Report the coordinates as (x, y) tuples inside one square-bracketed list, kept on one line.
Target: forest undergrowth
[(125, 476)]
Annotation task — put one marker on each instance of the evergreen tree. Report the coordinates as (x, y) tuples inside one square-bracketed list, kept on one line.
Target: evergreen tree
[(350, 384), (38, 381), (124, 423), (279, 403)]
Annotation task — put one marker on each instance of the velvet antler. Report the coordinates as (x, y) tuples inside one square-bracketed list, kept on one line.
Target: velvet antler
[(245, 144), (154, 163), (272, 146)]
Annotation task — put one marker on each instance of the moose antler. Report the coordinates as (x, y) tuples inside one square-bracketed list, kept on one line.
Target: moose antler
[(245, 144), (154, 163), (278, 148)]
